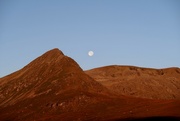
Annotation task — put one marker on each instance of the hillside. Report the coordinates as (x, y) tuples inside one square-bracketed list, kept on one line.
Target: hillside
[(139, 82), (51, 80), (53, 87)]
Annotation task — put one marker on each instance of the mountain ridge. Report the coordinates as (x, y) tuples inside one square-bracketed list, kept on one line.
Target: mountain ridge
[(54, 87), (138, 81)]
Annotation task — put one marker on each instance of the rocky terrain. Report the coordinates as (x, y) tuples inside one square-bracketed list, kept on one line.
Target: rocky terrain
[(53, 87), (139, 82)]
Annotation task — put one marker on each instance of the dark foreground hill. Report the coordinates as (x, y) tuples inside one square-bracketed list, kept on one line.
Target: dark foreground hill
[(53, 87), (139, 82)]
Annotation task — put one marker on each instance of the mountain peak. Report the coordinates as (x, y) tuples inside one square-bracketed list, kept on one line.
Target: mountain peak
[(48, 76), (54, 52)]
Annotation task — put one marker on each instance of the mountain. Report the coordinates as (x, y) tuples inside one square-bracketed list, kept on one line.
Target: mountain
[(51, 80), (139, 82), (53, 87)]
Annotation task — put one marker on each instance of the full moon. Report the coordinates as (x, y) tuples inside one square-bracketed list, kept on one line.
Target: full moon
[(90, 53)]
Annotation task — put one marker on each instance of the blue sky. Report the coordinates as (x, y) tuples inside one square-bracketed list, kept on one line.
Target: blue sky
[(142, 33)]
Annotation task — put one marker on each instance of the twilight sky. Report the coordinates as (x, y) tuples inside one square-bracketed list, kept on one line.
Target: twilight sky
[(142, 33)]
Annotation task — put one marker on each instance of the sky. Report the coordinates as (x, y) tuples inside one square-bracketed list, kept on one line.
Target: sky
[(143, 33)]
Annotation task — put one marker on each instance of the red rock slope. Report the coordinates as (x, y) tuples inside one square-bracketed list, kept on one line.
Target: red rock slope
[(139, 82), (51, 80), (54, 88)]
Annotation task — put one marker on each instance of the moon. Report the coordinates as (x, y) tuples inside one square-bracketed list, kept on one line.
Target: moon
[(90, 53)]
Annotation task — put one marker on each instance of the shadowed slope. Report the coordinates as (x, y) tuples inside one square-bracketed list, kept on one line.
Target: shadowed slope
[(139, 82)]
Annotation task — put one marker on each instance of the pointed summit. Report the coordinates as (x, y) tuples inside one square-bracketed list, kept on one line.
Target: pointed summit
[(54, 52), (51, 55)]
